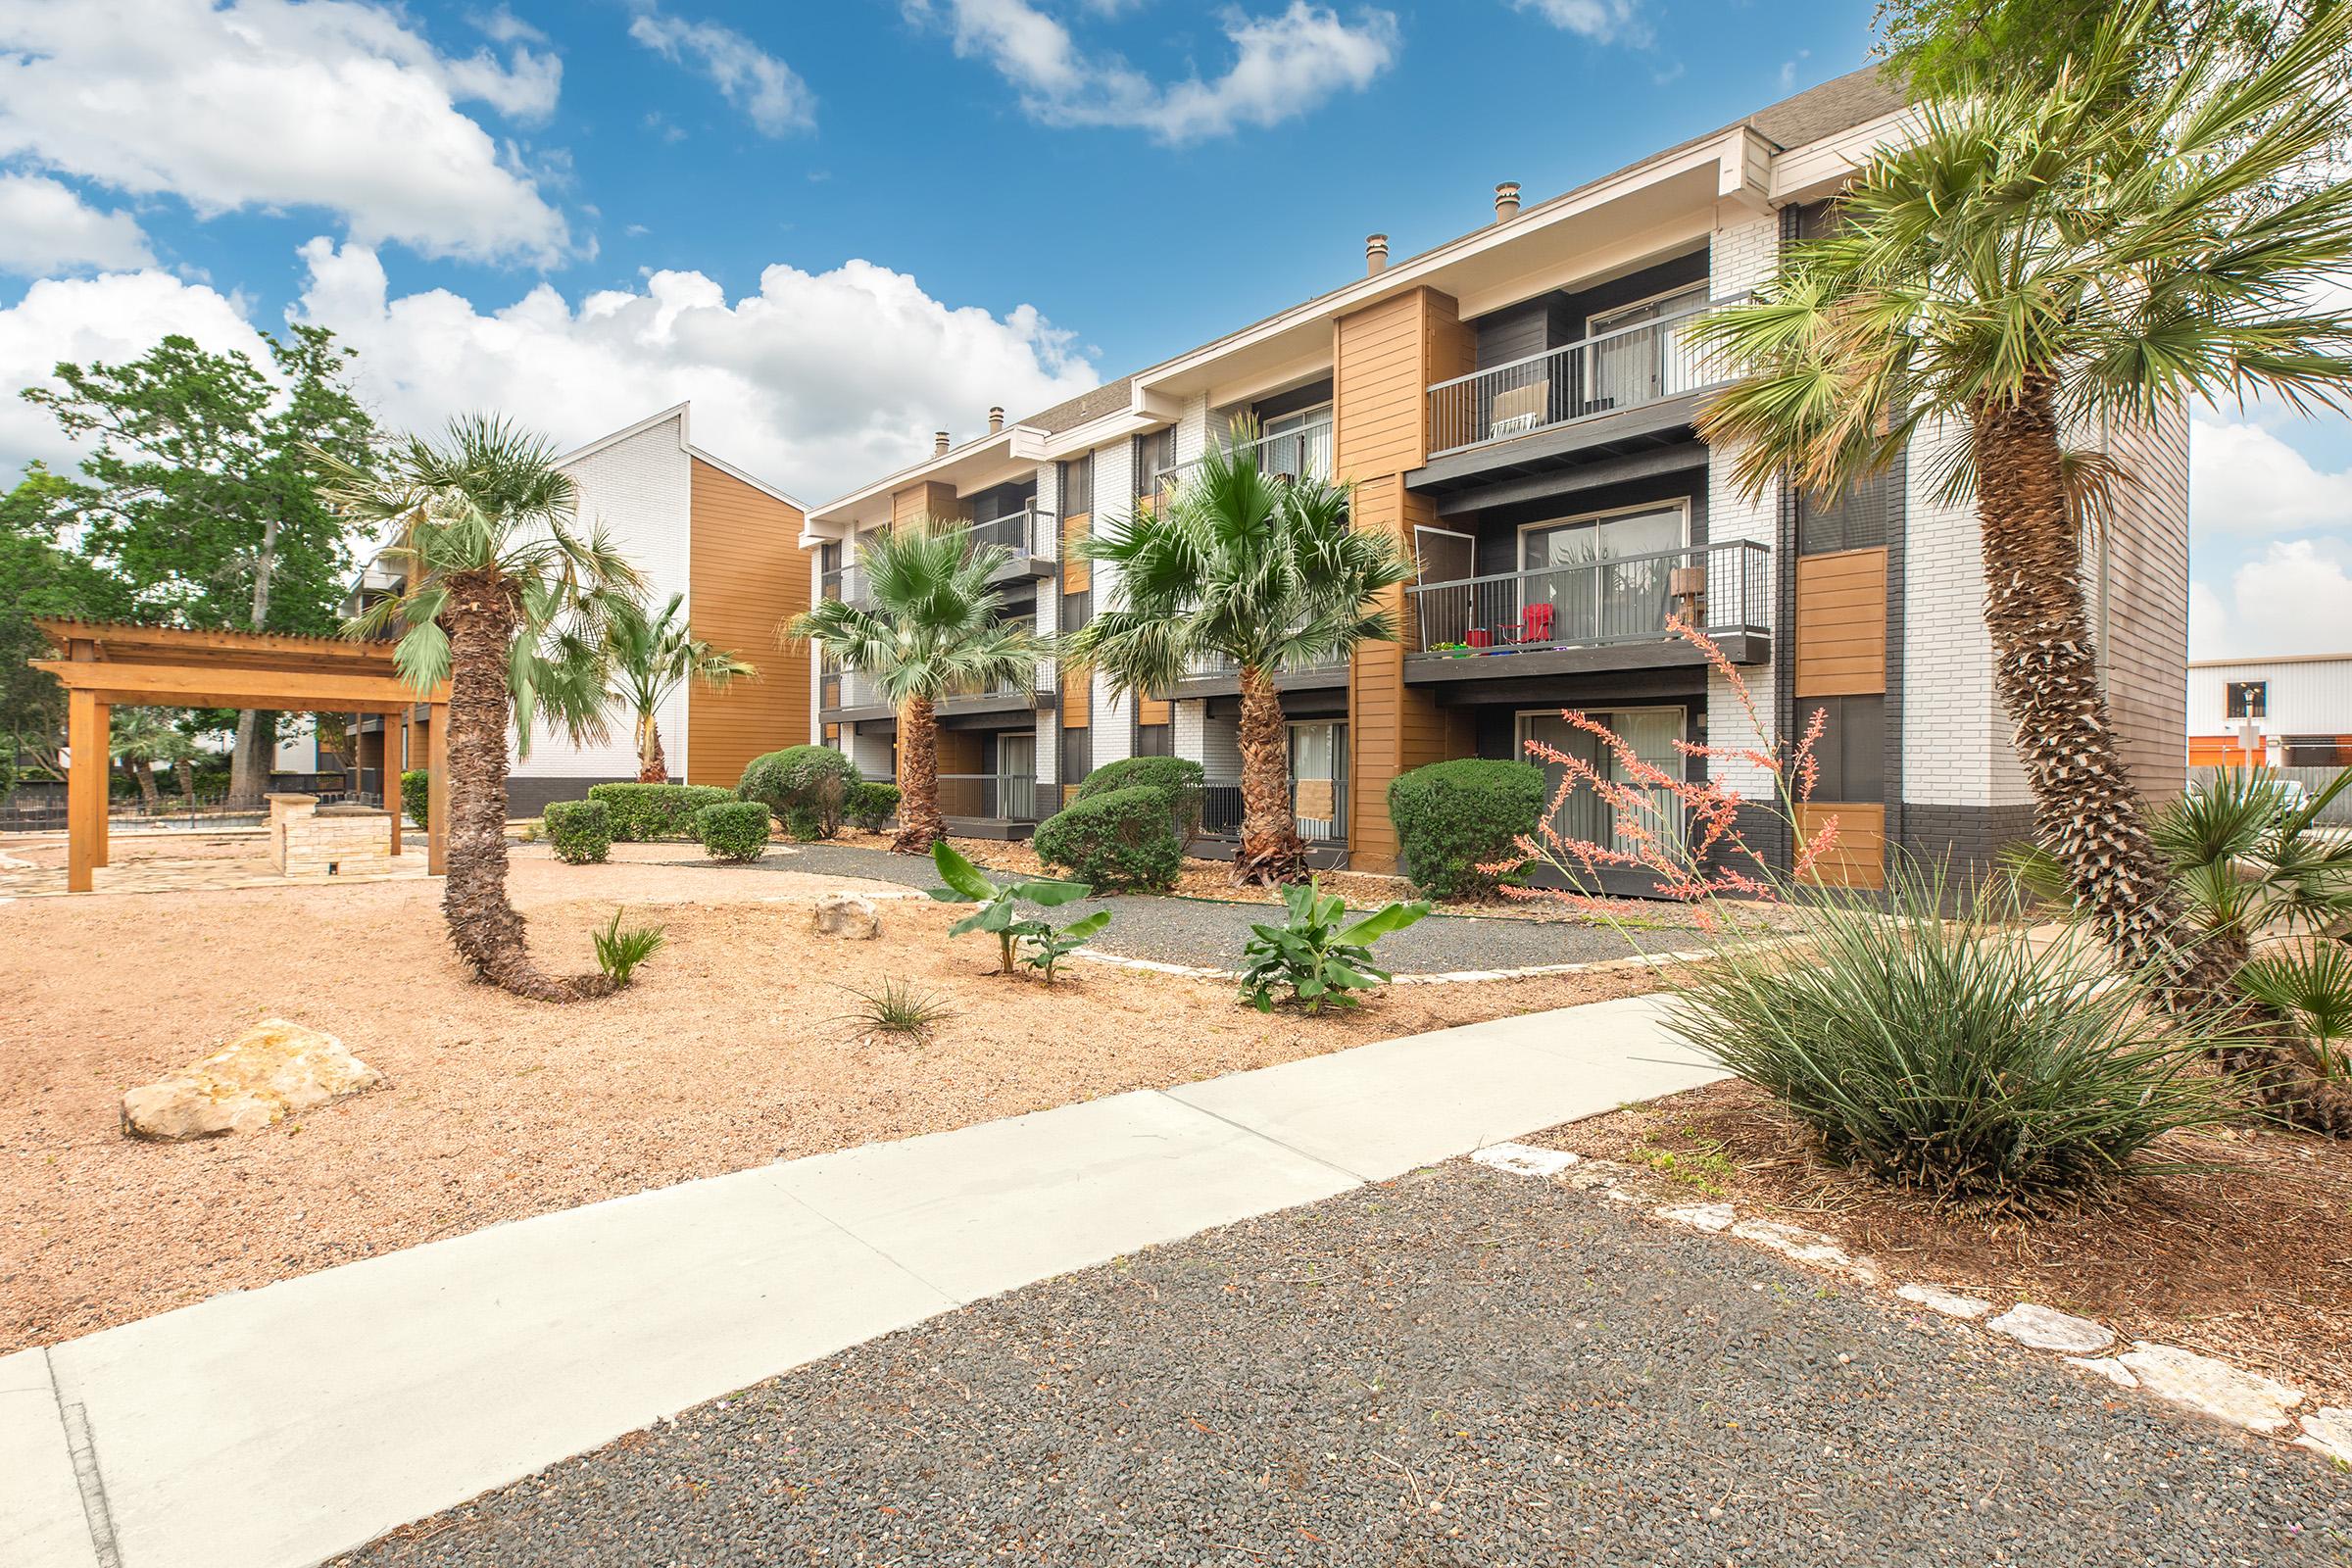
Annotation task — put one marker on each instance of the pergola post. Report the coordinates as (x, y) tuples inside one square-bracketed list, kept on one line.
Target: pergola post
[(86, 720), (393, 759), (436, 790)]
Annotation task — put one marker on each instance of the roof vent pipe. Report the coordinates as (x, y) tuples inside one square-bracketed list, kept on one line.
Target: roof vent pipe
[(1376, 253), (938, 443), (995, 419), (1507, 200)]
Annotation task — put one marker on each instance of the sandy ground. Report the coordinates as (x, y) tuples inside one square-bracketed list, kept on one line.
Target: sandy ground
[(732, 1049)]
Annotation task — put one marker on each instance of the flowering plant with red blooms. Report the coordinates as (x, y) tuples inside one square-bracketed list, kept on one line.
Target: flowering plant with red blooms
[(1685, 833)]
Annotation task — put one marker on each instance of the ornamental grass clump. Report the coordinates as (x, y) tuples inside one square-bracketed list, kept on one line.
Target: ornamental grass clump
[(1964, 1055)]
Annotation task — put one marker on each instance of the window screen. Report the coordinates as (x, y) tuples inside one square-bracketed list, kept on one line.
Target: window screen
[(1857, 520), (1152, 454), (1077, 609), (2249, 698), (1852, 749), (1077, 754), (1155, 740), (1078, 485)]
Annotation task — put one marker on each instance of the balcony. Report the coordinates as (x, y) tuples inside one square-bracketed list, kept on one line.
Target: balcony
[(1005, 695), (845, 583), (1222, 677), (1302, 453), (1033, 536), (1318, 809), (1001, 798), (1613, 394), (1595, 615)]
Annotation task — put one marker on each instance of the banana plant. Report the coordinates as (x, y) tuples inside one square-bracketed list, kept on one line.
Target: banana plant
[(1046, 946), (1321, 961), (1000, 903)]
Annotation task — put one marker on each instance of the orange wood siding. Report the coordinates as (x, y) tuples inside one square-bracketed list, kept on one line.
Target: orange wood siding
[(746, 575), (1858, 859), (1076, 573), (960, 751), (930, 498), (1073, 702), (1384, 359), (1842, 623), (1152, 711)]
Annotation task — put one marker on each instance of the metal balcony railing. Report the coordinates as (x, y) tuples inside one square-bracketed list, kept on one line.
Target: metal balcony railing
[(1043, 681), (1029, 533), (1648, 362), (1304, 453), (991, 796), (846, 583), (1720, 588), (1318, 809), (1216, 666)]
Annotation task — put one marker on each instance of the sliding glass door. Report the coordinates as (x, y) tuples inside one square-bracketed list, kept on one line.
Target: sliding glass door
[(1649, 732), (1580, 587)]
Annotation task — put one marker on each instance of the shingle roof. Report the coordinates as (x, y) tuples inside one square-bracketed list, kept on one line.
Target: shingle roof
[(1107, 398)]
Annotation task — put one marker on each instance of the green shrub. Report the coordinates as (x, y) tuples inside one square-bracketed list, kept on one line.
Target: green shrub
[(619, 953), (580, 830), (1180, 777), (806, 786), (732, 830), (1312, 953), (414, 801), (643, 813), (1453, 817), (1960, 1056), (870, 804), (1116, 842)]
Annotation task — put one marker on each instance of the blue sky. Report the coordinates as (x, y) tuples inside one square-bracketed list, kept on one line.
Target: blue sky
[(838, 226)]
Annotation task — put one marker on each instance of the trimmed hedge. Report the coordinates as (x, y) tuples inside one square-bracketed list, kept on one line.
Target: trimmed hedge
[(413, 801), (1180, 778), (1119, 841), (871, 804), (645, 812), (1453, 817), (806, 786), (732, 830), (581, 831)]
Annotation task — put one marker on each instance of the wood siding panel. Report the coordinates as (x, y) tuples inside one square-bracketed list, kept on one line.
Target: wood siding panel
[(1073, 702), (1384, 359), (746, 577), (1077, 575), (1842, 623), (1858, 859), (930, 498), (1152, 711)]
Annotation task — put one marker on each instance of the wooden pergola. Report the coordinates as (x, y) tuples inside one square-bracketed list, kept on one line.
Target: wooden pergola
[(105, 664)]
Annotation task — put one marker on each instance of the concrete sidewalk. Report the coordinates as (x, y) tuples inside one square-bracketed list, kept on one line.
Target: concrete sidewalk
[(280, 1426)]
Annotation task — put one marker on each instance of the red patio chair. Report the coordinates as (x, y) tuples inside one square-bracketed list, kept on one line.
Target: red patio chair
[(1537, 626)]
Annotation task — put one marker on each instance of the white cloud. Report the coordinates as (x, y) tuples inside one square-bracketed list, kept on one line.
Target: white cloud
[(45, 228), (2294, 599), (1284, 66), (1601, 21), (2243, 479), (764, 88), (268, 104), (116, 316), (505, 26)]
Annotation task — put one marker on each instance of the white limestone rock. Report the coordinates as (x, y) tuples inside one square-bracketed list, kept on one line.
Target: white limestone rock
[(1524, 1160), (850, 917), (2200, 1381), (2105, 1366), (2045, 1329), (1806, 1246), (2328, 1430), (1951, 1304), (271, 1070), (1702, 1217)]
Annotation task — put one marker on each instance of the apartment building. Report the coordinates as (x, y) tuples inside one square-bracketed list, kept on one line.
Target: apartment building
[(1517, 407), (693, 523)]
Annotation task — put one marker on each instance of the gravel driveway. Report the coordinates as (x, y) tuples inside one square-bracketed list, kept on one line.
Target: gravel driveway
[(1209, 932), (1463, 1367)]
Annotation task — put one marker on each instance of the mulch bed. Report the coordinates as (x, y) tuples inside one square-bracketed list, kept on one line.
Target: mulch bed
[(2251, 1262)]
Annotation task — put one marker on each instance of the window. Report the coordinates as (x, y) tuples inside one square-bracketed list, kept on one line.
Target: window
[(1154, 454), (1155, 740), (2249, 698), (1077, 609), (1589, 579), (1855, 521), (1652, 733), (1077, 754), (1078, 485), (1319, 780), (1852, 749)]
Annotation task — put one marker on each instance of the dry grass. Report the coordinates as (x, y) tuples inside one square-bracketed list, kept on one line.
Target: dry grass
[(2251, 1262), (731, 1050)]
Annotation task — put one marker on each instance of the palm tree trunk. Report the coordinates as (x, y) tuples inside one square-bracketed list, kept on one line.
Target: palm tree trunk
[(1270, 851), (144, 774), (652, 767), (2087, 812), (483, 926), (185, 767), (919, 823)]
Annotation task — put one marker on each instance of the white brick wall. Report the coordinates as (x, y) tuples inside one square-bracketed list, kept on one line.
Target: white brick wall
[(1957, 746), (1742, 255), (641, 489), (1742, 252), (868, 746), (1193, 429), (1109, 717)]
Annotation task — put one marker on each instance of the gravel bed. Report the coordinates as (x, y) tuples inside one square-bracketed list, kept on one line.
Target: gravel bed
[(1210, 933), (1463, 1367)]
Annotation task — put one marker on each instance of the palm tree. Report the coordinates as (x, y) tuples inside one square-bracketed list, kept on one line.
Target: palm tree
[(652, 655), (1259, 569), (143, 737), (930, 629), (2048, 259), (509, 604)]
